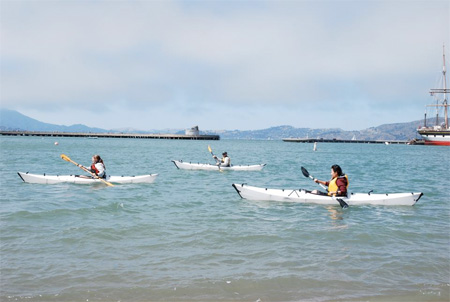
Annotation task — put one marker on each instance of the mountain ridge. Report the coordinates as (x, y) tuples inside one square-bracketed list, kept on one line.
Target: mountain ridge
[(11, 120)]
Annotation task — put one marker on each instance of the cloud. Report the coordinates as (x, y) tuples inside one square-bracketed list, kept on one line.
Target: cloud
[(203, 56)]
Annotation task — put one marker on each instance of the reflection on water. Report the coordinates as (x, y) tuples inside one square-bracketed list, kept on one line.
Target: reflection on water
[(337, 218), (334, 214)]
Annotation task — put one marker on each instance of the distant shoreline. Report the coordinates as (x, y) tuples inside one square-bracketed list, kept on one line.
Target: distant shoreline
[(110, 135), (351, 141), (15, 121), (93, 135)]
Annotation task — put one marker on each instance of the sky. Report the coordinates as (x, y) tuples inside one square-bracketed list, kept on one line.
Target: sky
[(222, 65)]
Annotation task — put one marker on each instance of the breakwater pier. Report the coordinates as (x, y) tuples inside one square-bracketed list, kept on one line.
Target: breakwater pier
[(111, 135), (347, 141)]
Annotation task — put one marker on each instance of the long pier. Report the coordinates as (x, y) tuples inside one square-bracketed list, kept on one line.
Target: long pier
[(110, 135), (347, 141)]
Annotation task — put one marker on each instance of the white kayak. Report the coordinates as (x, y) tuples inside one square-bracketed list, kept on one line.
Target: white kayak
[(81, 179), (303, 196), (197, 166)]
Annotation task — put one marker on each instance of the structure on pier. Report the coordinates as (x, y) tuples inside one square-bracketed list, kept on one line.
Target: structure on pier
[(192, 131)]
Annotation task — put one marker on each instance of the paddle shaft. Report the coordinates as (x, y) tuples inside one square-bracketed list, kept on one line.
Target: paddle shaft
[(323, 186), (66, 158), (212, 154)]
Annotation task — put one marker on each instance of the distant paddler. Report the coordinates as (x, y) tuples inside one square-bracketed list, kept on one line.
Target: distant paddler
[(225, 161)]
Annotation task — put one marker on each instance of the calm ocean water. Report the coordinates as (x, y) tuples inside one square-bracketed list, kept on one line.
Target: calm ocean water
[(190, 237)]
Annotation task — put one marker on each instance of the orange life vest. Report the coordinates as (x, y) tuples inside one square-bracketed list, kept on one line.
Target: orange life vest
[(332, 186), (94, 169)]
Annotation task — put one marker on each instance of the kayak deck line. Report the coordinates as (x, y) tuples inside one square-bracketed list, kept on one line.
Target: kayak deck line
[(44, 174)]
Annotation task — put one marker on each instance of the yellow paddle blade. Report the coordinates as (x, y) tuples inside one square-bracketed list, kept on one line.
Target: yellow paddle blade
[(65, 157), (107, 183), (209, 149)]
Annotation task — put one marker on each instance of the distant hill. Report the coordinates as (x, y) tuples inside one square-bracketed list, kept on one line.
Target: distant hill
[(400, 131), (12, 120)]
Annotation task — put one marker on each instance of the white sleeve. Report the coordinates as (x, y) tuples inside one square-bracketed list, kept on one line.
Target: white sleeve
[(101, 169)]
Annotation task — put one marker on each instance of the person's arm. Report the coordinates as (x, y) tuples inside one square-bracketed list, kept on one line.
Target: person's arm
[(87, 168), (326, 183), (342, 187)]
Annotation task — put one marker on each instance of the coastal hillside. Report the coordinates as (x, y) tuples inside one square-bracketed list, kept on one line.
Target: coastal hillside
[(399, 131), (11, 120)]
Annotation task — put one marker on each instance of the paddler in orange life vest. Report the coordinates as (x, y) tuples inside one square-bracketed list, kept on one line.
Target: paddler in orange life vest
[(338, 184), (97, 166)]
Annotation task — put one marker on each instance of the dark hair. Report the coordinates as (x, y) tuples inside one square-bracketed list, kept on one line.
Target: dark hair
[(337, 169), (98, 159)]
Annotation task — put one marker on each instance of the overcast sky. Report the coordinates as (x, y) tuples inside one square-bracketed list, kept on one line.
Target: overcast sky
[(221, 64)]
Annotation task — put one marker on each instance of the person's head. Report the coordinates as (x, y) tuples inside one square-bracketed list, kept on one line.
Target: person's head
[(96, 159), (225, 154), (336, 171)]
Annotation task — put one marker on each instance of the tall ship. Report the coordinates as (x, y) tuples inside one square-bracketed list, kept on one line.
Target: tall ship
[(439, 133)]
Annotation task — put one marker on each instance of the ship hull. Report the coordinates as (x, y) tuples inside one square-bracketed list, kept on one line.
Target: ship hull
[(437, 138)]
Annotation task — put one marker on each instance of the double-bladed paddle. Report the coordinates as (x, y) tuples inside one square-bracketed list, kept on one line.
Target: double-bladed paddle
[(66, 158), (340, 200), (306, 174), (215, 157)]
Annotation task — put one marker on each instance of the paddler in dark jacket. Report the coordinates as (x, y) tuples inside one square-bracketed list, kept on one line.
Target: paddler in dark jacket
[(338, 184)]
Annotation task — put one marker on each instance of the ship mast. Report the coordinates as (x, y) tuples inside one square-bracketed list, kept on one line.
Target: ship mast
[(444, 91)]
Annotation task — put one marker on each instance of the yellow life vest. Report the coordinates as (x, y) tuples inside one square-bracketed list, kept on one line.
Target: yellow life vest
[(332, 186)]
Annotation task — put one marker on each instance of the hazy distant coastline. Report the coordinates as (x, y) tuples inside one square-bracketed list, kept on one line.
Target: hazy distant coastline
[(14, 120)]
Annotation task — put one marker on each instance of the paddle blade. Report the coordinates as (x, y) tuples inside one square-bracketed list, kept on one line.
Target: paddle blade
[(65, 157), (107, 183), (209, 149), (305, 172), (342, 203)]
